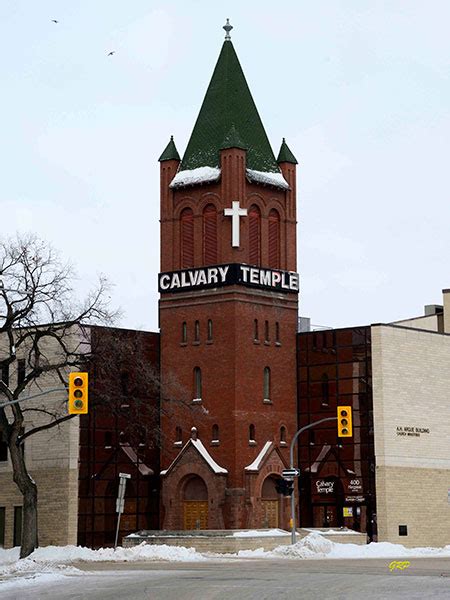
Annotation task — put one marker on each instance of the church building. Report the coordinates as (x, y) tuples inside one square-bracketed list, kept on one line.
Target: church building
[(228, 313)]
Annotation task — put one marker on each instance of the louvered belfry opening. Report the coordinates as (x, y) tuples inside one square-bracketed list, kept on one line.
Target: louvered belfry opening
[(210, 235), (274, 239), (187, 238), (254, 226)]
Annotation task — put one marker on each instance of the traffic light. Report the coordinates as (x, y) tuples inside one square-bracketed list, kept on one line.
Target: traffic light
[(78, 393), (284, 486), (344, 421)]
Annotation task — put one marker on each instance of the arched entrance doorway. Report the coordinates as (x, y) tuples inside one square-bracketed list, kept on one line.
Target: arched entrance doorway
[(270, 503), (195, 504)]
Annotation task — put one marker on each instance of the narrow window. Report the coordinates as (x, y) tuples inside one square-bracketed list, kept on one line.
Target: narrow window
[(3, 448), (215, 433), (251, 433), (197, 331), (274, 239), (184, 332), (255, 330), (266, 331), (178, 435), (283, 435), (210, 330), (254, 228), (197, 383), (17, 525), (267, 383), (187, 238), (2, 526), (277, 332), (108, 439), (325, 390), (5, 372), (210, 235), (20, 371)]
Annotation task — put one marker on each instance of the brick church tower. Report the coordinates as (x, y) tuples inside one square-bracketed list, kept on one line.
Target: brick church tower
[(228, 314)]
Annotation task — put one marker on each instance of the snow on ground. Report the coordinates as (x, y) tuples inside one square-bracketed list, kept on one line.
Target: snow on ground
[(316, 545), (260, 533), (52, 562)]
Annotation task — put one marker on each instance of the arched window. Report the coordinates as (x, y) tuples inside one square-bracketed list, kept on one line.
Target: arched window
[(251, 433), (277, 332), (215, 433), (210, 330), (267, 390), (210, 235), (266, 331), (197, 331), (178, 434), (197, 383), (283, 434), (255, 330), (184, 332), (187, 238), (254, 229), (274, 239)]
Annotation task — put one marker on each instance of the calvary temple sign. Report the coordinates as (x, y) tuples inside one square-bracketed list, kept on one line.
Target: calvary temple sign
[(232, 274)]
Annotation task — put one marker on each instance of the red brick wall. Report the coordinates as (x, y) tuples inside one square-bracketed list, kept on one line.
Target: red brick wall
[(232, 363)]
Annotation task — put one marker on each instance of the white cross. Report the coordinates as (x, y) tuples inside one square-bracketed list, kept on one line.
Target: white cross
[(235, 213)]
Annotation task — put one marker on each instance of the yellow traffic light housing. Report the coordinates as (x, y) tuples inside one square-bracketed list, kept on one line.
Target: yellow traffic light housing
[(344, 421), (78, 393)]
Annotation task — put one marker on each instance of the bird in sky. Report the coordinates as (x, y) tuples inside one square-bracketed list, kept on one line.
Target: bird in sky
[(111, 53), (55, 21)]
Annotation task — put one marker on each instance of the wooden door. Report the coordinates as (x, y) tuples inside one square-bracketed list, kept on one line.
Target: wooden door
[(270, 513), (195, 514)]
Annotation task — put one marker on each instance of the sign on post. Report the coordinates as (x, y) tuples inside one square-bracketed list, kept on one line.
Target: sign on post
[(289, 473), (120, 502)]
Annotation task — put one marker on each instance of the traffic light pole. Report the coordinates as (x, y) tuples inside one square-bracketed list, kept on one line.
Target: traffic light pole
[(294, 439)]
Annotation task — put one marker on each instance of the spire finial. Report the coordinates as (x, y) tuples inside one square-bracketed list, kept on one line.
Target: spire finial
[(228, 28)]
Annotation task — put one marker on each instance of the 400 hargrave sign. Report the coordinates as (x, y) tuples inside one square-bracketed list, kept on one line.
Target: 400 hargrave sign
[(232, 274)]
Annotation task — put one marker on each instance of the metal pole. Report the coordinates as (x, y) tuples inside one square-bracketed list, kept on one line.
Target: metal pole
[(33, 396), (291, 454), (120, 502)]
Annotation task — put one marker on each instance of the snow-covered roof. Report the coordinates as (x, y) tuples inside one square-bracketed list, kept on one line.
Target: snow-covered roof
[(321, 457), (315, 466), (195, 176), (143, 468), (266, 178), (255, 465), (203, 452)]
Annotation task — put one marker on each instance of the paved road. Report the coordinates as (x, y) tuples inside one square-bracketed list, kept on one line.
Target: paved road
[(246, 579)]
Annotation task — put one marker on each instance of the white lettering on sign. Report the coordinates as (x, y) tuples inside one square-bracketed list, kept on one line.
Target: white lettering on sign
[(324, 487), (233, 274)]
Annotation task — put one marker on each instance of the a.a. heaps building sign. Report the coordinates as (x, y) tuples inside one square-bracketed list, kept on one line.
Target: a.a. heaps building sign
[(224, 275)]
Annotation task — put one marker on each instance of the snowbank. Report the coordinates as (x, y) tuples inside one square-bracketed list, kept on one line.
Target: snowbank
[(316, 546), (56, 559)]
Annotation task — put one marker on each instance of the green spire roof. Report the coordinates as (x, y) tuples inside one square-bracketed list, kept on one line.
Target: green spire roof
[(285, 155), (232, 140), (171, 152), (228, 102)]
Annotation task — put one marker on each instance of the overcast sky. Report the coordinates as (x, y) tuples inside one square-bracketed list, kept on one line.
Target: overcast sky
[(360, 89)]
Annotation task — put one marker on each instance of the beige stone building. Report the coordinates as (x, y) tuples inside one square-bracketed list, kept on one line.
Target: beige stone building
[(411, 407), (51, 456)]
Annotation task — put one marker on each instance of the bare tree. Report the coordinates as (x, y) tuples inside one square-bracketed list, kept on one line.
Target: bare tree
[(42, 337)]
